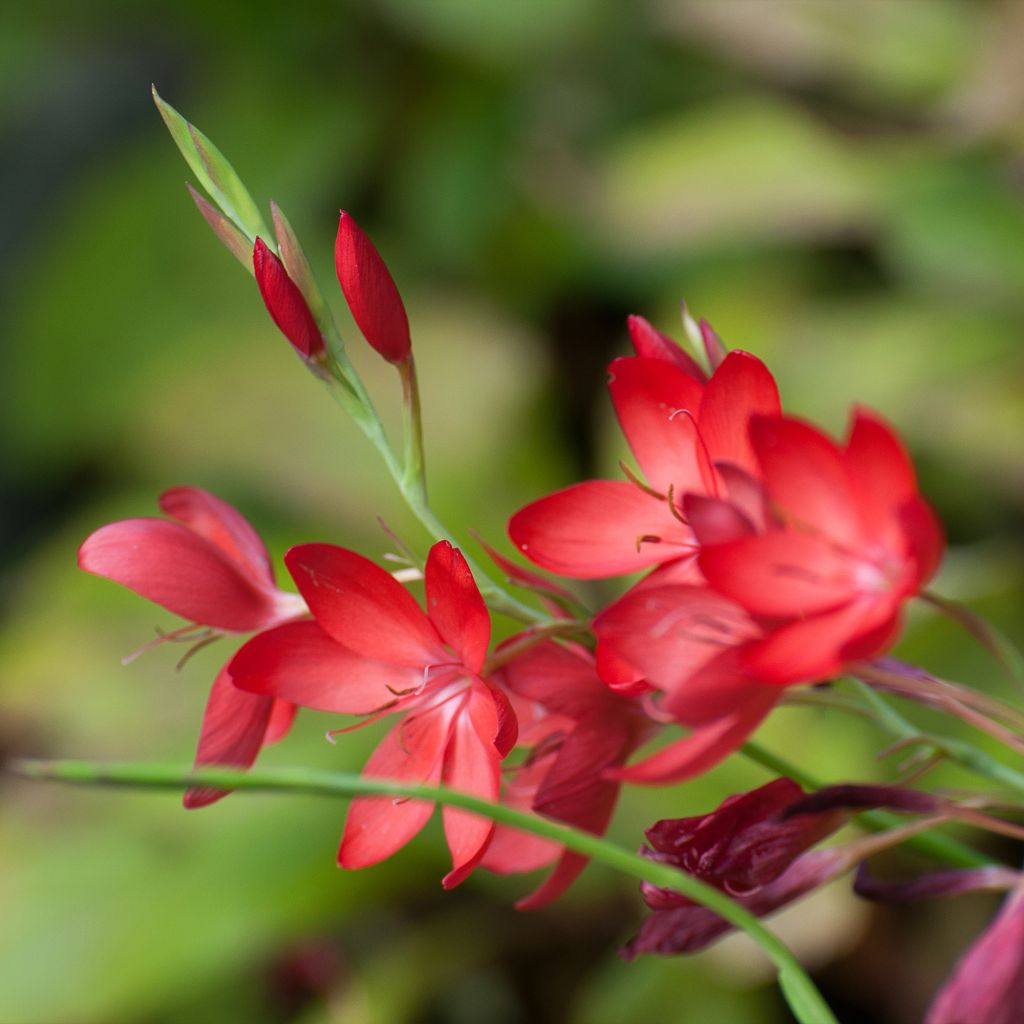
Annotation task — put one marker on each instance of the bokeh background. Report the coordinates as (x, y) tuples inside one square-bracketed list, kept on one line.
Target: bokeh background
[(838, 187)]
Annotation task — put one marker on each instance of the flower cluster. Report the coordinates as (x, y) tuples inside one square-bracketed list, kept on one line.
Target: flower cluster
[(771, 556), (777, 557)]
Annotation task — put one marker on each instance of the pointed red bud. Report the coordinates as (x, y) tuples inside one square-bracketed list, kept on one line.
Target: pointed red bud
[(652, 344), (285, 303), (370, 292)]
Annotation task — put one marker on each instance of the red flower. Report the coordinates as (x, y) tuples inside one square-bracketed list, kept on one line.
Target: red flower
[(372, 650), (689, 643), (370, 292), (679, 430), (587, 730), (848, 539), (285, 303), (208, 565)]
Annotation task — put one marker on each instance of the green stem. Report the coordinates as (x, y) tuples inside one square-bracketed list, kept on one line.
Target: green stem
[(348, 391), (804, 1000), (958, 750), (935, 844), (415, 473), (997, 643)]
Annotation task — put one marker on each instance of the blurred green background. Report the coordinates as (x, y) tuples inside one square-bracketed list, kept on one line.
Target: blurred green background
[(838, 186)]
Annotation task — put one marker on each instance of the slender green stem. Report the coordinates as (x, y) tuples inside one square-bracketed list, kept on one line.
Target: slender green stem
[(415, 474), (997, 643), (884, 714), (934, 844), (348, 391), (804, 999), (958, 750)]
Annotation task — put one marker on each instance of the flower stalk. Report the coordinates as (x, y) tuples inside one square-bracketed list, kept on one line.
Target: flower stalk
[(804, 999)]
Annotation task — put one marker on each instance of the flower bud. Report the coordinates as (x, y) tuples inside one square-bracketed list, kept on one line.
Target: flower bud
[(370, 292), (285, 303)]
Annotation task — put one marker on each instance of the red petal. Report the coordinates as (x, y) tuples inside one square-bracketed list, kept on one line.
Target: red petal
[(881, 474), (657, 406), (567, 870), (513, 851), (812, 649), (379, 826), (668, 633), (181, 571), (507, 733), (282, 715), (455, 606), (300, 663), (683, 571), (715, 690), (471, 766), (370, 292), (363, 607), (780, 574), (233, 731), (874, 641), (575, 790), (596, 529), (805, 477), (740, 388), (923, 539), (612, 667), (285, 303), (617, 673), (222, 525), (703, 748), (558, 678), (652, 344), (746, 492), (715, 521)]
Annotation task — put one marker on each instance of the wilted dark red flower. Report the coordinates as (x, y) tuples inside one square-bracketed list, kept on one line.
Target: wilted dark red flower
[(748, 848), (745, 843), (676, 925)]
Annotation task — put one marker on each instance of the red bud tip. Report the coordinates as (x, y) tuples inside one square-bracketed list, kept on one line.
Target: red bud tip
[(285, 303), (370, 292)]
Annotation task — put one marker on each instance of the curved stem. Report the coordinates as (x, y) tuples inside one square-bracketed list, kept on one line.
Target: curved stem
[(957, 750), (997, 643), (349, 393), (935, 844), (414, 476), (804, 1000)]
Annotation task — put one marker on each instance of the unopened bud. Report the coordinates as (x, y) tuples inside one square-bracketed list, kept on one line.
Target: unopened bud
[(371, 293), (285, 303)]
